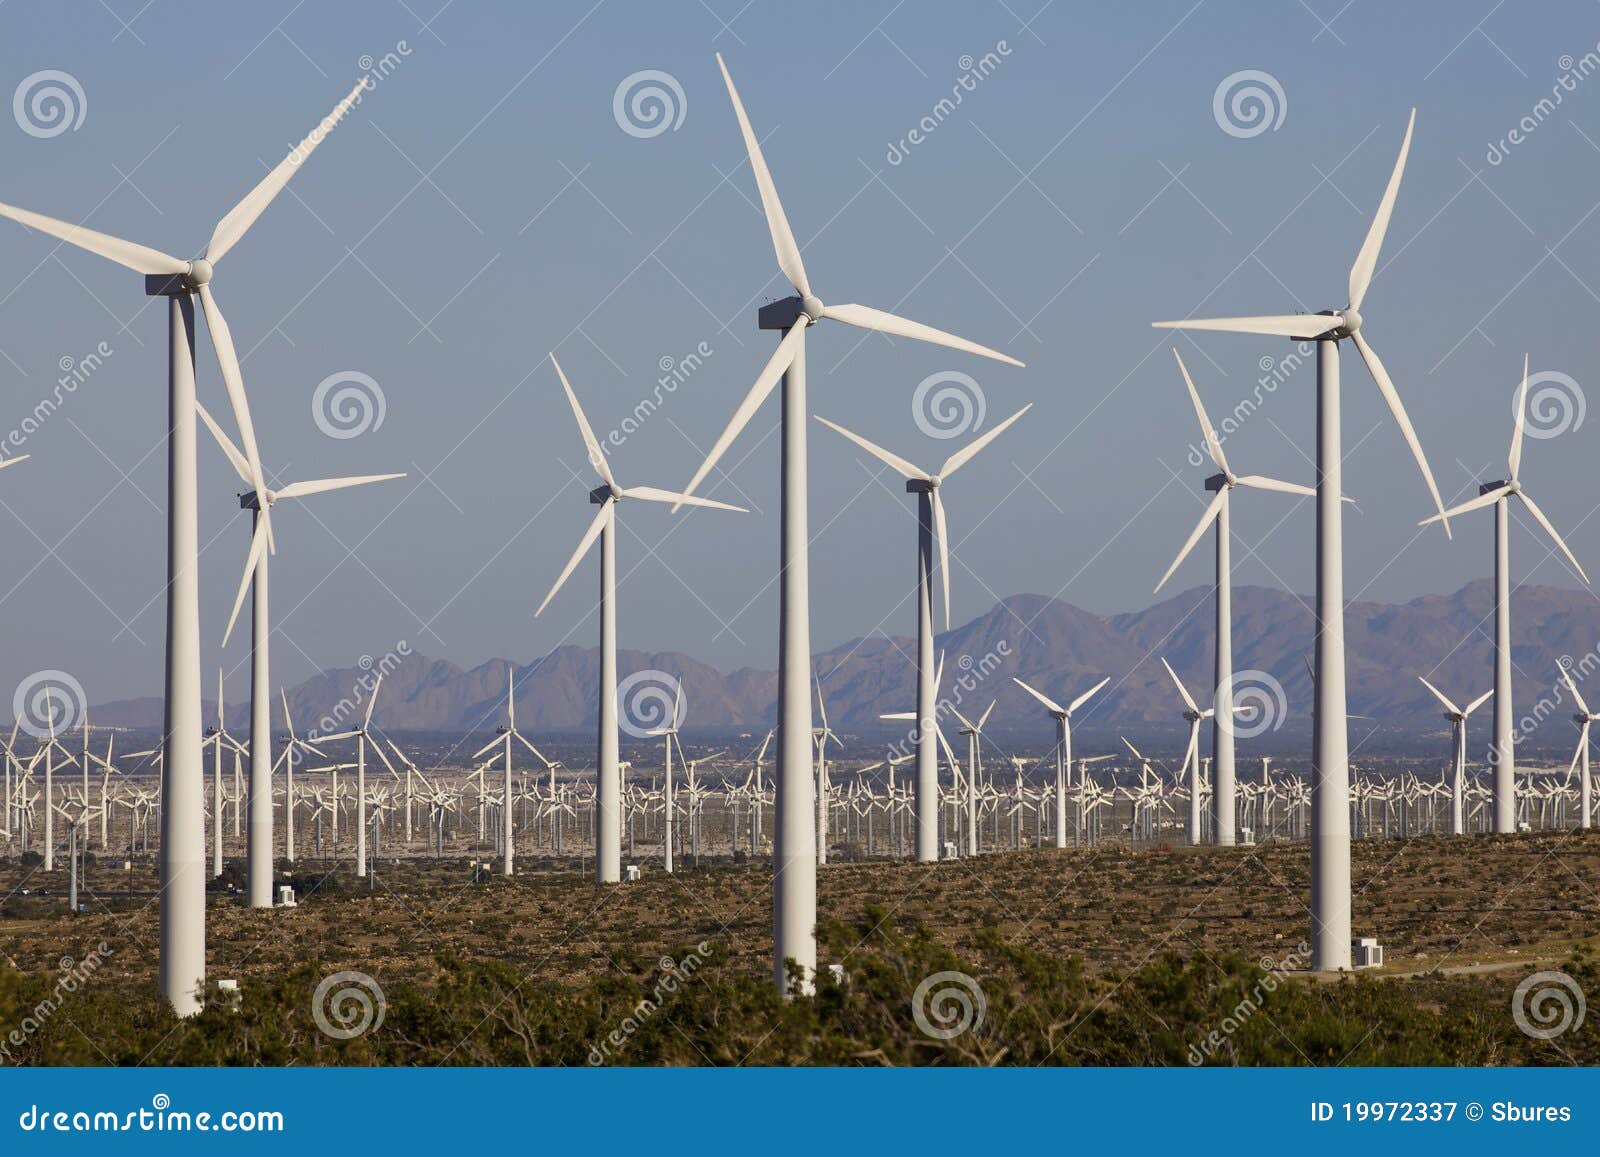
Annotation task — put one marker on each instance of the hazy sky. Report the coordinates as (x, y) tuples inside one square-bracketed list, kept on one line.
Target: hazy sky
[(487, 203)]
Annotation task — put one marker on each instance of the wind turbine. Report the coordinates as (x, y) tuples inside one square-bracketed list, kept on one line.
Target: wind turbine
[(1330, 793), (931, 528), (1458, 749), (1191, 753), (974, 733), (295, 748), (361, 735), (503, 737), (1498, 494), (1219, 510), (1063, 718), (183, 881), (795, 877), (608, 789), (254, 579), (1583, 718)]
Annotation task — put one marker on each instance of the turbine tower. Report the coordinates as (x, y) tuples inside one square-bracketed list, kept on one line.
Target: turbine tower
[(608, 789), (1063, 717), (931, 528), (1583, 718), (1502, 752), (794, 851), (1223, 792), (183, 881), (1330, 784), (254, 580), (1458, 752), (1191, 754)]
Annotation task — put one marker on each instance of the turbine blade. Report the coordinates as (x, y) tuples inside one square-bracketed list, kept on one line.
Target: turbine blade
[(593, 532), (228, 358), (1087, 695), (1398, 409), (258, 542), (139, 258), (1307, 325), (1259, 482), (764, 383), (597, 457), (241, 466), (1440, 696), (865, 317), (652, 494), (891, 460), (1514, 460), (1478, 702), (322, 485), (14, 460), (1489, 498), (372, 702), (1206, 518), (1188, 699), (1533, 509), (1573, 687), (783, 242), (243, 215), (1050, 705), (964, 455), (984, 718), (1213, 443), (1367, 259)]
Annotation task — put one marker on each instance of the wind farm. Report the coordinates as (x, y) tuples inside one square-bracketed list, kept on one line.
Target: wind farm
[(815, 751)]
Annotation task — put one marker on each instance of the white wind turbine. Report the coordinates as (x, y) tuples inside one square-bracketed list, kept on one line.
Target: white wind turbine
[(1063, 717), (795, 877), (974, 733), (931, 529), (608, 790), (1330, 797), (295, 749), (1498, 494), (1191, 755), (1458, 750), (361, 735), (1583, 718), (503, 737), (1223, 793), (254, 580), (183, 897)]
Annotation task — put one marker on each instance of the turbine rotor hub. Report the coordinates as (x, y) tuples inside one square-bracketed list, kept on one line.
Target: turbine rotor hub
[(811, 305), (199, 271), (1351, 317)]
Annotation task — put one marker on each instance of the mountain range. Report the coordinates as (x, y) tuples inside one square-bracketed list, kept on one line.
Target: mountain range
[(1055, 646)]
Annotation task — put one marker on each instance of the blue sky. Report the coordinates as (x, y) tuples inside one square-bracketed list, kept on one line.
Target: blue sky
[(484, 205)]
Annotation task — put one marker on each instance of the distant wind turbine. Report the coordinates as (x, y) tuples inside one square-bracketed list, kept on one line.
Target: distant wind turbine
[(1458, 751)]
